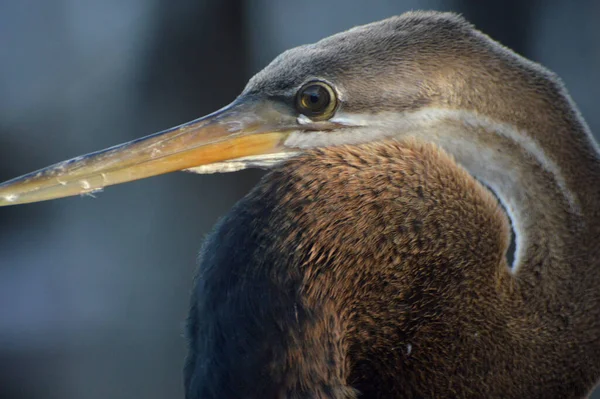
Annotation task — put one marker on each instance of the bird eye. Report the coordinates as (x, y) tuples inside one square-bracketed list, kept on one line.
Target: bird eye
[(316, 100)]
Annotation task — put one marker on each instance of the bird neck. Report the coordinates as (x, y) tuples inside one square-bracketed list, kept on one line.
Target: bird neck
[(348, 264), (252, 332), (549, 193)]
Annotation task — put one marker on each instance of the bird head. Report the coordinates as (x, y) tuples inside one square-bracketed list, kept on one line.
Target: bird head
[(376, 81)]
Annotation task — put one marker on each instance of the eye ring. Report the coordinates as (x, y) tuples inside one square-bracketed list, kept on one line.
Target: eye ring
[(316, 100)]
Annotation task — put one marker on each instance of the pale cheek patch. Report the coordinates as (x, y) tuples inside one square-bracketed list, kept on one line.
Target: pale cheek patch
[(266, 161)]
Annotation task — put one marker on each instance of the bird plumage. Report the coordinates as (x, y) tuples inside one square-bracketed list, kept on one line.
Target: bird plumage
[(379, 270), (372, 260)]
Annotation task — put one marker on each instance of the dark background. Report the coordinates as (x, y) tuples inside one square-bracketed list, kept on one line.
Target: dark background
[(94, 292)]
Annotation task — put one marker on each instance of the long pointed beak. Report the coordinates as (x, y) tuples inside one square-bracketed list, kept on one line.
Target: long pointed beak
[(245, 128)]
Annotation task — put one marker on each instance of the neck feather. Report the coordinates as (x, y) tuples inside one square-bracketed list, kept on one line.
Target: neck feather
[(539, 192), (545, 195), (251, 332)]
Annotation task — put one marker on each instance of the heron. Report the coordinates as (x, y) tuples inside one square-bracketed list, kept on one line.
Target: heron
[(372, 260)]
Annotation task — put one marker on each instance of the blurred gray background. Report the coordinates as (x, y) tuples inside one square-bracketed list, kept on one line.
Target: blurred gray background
[(94, 292)]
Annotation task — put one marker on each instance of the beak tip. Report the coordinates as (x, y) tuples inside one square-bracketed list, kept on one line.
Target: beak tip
[(240, 130)]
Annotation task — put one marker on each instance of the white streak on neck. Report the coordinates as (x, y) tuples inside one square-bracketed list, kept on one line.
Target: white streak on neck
[(461, 133)]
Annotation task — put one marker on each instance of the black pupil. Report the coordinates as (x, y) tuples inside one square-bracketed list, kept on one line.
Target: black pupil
[(315, 99)]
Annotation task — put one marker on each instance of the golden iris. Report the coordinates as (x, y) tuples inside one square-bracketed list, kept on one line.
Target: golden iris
[(316, 100)]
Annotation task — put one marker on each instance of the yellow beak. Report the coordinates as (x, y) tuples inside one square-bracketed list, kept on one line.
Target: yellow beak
[(245, 128)]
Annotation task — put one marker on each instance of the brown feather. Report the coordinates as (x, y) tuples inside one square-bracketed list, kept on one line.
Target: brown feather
[(379, 270)]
